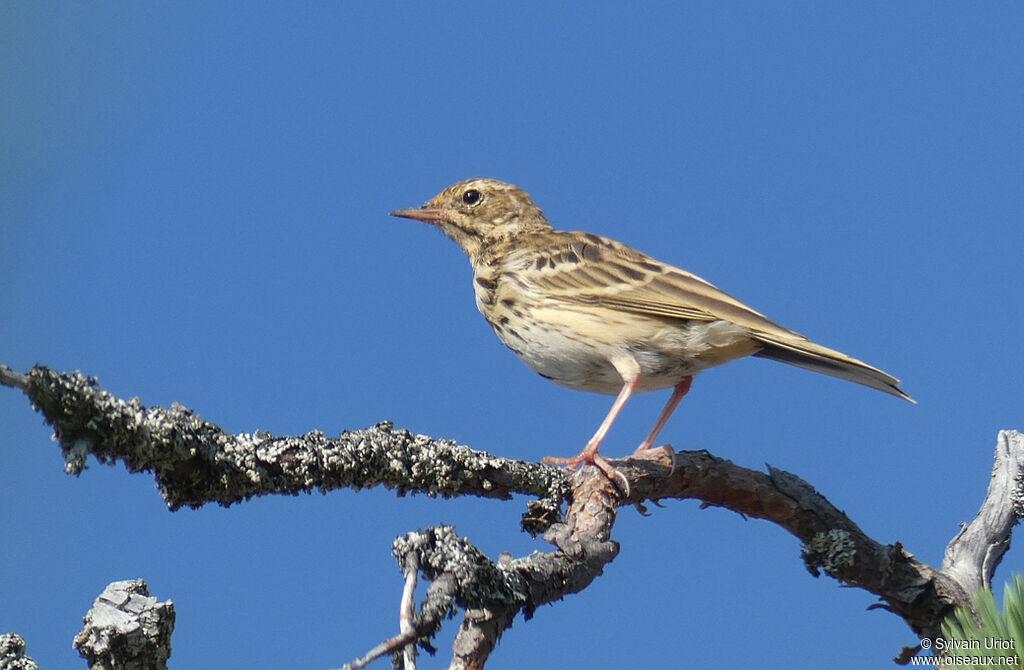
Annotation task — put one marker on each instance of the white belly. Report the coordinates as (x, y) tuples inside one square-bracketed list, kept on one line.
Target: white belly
[(575, 346)]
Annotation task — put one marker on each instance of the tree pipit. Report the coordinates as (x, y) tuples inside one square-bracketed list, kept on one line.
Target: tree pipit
[(593, 314)]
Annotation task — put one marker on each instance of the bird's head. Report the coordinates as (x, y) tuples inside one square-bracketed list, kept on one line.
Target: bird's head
[(479, 211)]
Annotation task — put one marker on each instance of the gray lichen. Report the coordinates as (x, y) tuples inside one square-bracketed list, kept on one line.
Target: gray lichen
[(12, 653), (480, 580), (196, 462), (127, 628), (1017, 496), (833, 552)]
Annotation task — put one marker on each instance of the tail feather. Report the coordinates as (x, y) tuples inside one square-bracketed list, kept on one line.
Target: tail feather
[(811, 356)]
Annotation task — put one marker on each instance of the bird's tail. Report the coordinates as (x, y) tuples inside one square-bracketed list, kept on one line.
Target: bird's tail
[(811, 356)]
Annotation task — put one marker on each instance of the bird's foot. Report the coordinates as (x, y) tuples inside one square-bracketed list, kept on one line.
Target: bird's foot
[(591, 456)]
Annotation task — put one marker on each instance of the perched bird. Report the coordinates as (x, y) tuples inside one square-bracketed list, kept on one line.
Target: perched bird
[(593, 314)]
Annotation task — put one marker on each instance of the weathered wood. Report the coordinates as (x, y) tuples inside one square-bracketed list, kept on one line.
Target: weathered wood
[(127, 629), (973, 555)]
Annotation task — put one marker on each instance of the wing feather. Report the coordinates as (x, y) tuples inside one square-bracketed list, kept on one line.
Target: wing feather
[(604, 272), (601, 271)]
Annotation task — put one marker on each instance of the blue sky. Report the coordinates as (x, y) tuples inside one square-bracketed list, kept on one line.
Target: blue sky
[(193, 203)]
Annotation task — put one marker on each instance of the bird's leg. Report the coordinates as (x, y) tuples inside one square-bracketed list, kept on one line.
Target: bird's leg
[(589, 453), (677, 394)]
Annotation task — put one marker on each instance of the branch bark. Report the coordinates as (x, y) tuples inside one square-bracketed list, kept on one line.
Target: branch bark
[(973, 555), (196, 462), (127, 628), (12, 653)]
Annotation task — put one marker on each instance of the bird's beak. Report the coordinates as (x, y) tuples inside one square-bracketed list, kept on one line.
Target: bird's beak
[(424, 213)]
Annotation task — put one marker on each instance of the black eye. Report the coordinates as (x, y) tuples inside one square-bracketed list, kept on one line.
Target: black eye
[(472, 196)]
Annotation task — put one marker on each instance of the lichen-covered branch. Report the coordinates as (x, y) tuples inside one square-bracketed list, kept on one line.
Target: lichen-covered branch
[(493, 593), (12, 653), (127, 628), (833, 543), (196, 462)]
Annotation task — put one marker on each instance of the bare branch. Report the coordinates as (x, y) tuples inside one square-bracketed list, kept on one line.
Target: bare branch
[(9, 377), (389, 646), (405, 609), (917, 592), (973, 555)]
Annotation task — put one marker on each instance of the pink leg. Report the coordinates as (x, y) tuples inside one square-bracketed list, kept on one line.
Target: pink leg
[(589, 453), (677, 394)]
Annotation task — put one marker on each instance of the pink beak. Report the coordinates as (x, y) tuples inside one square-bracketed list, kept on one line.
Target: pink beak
[(424, 213)]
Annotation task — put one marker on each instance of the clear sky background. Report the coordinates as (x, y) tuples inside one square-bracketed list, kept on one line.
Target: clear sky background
[(193, 202)]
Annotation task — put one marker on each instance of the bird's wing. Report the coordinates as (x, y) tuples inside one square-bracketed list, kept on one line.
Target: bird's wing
[(590, 269), (587, 268)]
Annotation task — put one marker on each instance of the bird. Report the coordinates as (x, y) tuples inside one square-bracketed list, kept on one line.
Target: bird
[(590, 313)]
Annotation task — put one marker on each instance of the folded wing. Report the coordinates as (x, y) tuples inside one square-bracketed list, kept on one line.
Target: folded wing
[(604, 272)]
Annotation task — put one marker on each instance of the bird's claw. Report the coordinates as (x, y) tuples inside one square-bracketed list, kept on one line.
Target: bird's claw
[(597, 459)]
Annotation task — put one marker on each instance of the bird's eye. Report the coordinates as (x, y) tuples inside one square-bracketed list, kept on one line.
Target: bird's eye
[(472, 196)]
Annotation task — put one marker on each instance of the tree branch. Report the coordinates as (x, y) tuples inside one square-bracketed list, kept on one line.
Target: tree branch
[(832, 542), (127, 628), (973, 555), (12, 653), (196, 462)]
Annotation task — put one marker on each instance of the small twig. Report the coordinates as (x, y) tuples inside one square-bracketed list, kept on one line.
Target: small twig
[(438, 604), (405, 610), (389, 646), (9, 377)]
